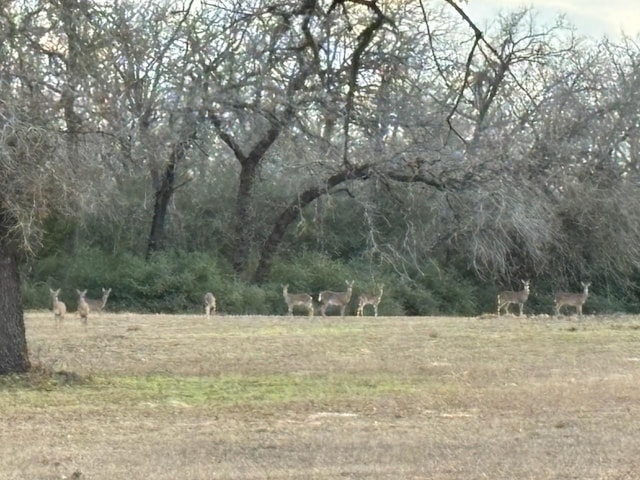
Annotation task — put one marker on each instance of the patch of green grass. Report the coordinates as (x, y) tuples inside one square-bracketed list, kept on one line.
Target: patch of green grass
[(268, 389), (224, 391)]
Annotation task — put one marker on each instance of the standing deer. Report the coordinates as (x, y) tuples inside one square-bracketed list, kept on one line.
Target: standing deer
[(59, 308), (572, 299), (365, 299), (83, 306), (506, 298), (209, 304), (297, 299), (98, 305), (339, 299)]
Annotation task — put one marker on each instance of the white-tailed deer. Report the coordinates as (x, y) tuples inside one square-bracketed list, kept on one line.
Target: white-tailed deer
[(98, 305), (297, 300), (338, 299), (209, 304), (507, 298), (572, 299), (364, 300), (83, 306), (59, 308)]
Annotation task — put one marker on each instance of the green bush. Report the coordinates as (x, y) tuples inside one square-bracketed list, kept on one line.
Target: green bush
[(175, 281), (168, 282), (605, 304), (439, 291), (239, 298), (311, 273)]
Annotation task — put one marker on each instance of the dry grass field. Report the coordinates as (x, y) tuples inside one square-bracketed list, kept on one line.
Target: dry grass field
[(182, 397)]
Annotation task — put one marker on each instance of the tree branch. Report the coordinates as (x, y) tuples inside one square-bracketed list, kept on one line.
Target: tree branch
[(364, 40), (226, 137)]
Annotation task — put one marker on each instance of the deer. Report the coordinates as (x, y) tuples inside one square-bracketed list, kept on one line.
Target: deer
[(98, 305), (365, 299), (59, 308), (339, 299), (572, 299), (297, 299), (209, 304), (83, 306), (506, 298)]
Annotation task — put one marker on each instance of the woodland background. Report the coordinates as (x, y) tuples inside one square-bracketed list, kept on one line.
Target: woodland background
[(165, 149)]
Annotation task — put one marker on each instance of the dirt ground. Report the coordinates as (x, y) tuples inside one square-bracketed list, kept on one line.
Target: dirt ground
[(165, 397)]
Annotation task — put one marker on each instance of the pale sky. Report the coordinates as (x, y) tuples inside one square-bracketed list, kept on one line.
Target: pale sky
[(595, 18)]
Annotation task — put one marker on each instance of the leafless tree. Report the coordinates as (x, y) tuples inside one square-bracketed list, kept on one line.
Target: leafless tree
[(39, 168)]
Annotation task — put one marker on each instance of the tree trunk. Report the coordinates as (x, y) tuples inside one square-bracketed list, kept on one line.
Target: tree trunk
[(14, 357), (289, 215), (249, 165), (160, 208), (163, 195), (243, 225)]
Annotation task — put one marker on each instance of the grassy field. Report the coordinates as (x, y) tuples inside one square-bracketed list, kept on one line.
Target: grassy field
[(182, 397)]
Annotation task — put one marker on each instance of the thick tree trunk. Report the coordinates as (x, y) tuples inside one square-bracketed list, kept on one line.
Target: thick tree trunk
[(249, 164), (243, 225), (14, 357)]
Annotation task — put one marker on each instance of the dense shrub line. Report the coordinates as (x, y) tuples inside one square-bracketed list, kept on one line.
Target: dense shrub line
[(175, 281)]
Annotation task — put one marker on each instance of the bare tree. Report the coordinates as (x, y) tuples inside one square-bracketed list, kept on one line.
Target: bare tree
[(27, 195), (38, 177), (283, 71)]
